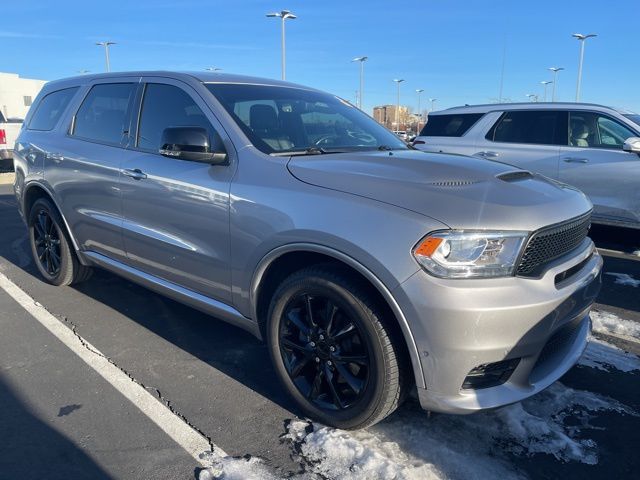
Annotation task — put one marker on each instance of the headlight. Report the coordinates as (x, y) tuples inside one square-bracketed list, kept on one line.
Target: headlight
[(465, 254)]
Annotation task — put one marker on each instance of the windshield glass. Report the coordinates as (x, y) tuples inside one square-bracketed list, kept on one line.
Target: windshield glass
[(279, 120), (635, 118)]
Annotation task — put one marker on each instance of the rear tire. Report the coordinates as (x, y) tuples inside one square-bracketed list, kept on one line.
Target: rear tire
[(51, 246), (332, 350)]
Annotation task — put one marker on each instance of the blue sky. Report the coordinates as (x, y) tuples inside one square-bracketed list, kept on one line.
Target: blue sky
[(453, 50)]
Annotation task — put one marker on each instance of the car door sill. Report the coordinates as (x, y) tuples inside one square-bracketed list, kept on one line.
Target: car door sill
[(176, 292)]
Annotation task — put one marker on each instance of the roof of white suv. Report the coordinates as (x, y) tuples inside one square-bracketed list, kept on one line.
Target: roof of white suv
[(491, 107)]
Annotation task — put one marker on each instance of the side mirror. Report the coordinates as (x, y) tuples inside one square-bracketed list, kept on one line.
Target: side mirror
[(632, 144), (190, 143)]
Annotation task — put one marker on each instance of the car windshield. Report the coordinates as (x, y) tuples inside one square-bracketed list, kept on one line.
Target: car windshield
[(634, 117), (294, 121)]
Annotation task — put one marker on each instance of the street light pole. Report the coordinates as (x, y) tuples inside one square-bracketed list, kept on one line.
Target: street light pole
[(545, 83), (106, 52), (433, 101), (419, 92), (398, 82), (361, 60), (555, 71), (582, 39), (532, 97), (284, 15)]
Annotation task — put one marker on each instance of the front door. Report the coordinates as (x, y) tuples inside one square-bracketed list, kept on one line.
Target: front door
[(176, 212), (594, 162)]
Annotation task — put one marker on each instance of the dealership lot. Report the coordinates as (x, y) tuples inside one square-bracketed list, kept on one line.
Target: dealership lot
[(218, 381)]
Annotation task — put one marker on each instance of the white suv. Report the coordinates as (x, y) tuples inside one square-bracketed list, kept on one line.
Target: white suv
[(591, 147)]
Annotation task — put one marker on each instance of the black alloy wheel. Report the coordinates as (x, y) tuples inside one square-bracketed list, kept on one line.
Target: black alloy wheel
[(323, 352), (47, 243)]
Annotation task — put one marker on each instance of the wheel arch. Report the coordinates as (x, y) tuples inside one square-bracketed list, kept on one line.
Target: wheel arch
[(35, 191), (284, 260)]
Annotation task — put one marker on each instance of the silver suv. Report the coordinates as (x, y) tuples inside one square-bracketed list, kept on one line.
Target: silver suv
[(592, 147), (368, 268)]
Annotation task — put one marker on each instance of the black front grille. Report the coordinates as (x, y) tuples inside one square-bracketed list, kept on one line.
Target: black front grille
[(552, 242)]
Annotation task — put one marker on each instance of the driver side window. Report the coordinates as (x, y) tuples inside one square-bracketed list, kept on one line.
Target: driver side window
[(593, 130)]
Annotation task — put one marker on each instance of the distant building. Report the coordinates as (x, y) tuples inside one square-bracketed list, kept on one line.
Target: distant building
[(17, 94), (387, 116)]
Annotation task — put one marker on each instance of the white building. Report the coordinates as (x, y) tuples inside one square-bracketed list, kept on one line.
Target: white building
[(17, 94)]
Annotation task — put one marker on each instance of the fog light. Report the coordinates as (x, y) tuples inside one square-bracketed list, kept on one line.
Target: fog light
[(490, 374)]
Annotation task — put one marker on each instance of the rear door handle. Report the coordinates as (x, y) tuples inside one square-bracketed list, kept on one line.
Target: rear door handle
[(575, 160), (136, 173), (488, 154)]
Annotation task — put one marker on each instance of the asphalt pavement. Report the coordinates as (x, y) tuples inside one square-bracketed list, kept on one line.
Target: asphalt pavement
[(59, 419)]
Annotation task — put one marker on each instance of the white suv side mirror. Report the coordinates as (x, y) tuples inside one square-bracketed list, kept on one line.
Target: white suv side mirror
[(632, 144)]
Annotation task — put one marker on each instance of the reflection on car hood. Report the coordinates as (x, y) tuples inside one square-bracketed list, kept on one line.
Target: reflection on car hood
[(462, 192)]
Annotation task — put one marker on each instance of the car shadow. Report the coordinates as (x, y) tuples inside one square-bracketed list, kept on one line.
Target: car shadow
[(33, 450)]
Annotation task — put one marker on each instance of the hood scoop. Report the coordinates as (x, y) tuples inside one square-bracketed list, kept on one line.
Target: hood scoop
[(515, 176)]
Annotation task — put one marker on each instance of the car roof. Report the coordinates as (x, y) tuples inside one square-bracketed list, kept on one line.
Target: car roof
[(492, 107), (204, 77)]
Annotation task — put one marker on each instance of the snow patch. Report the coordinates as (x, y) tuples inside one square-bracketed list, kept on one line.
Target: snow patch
[(605, 322), (234, 468), (411, 445), (624, 279), (605, 356)]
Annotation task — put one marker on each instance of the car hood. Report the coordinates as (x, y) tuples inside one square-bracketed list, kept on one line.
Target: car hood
[(459, 191)]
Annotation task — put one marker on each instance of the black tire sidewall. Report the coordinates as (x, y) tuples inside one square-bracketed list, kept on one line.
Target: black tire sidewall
[(321, 285), (65, 274)]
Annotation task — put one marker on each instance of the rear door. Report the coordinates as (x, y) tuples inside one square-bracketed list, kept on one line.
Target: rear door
[(529, 139), (176, 212), (83, 165), (594, 162)]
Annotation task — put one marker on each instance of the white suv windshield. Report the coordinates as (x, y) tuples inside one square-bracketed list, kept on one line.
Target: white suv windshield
[(281, 120)]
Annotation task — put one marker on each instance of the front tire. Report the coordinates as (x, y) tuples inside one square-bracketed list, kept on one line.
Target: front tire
[(51, 247), (332, 350)]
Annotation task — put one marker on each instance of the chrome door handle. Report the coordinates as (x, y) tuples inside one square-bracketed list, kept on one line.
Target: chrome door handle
[(56, 157), (136, 173), (488, 154), (575, 160)]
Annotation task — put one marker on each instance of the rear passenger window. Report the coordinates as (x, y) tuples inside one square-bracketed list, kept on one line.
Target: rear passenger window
[(103, 116), (449, 125), (167, 106), (540, 127), (50, 109)]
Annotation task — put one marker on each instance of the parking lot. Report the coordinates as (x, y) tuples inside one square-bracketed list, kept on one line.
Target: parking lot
[(109, 380)]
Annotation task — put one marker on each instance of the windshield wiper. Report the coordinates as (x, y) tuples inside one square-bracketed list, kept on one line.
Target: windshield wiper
[(306, 151)]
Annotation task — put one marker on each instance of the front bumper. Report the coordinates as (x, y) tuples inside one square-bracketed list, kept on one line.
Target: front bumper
[(461, 324)]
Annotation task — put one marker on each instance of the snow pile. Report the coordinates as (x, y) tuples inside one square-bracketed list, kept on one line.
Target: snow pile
[(234, 468), (605, 322), (410, 445), (624, 279), (605, 356)]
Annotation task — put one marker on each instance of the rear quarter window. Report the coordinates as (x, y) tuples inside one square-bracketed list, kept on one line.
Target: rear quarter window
[(50, 109), (454, 125)]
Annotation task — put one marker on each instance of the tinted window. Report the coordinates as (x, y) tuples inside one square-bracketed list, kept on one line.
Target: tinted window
[(283, 119), (587, 129), (167, 106), (50, 109), (542, 127), (449, 125), (103, 115)]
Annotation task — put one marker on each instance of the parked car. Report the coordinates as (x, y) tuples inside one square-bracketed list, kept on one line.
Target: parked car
[(401, 134), (367, 267), (592, 147), (9, 129)]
